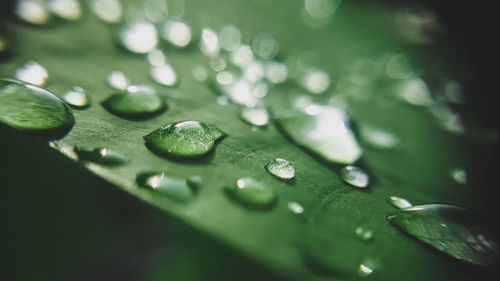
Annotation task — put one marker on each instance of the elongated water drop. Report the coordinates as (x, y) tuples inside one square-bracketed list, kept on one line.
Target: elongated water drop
[(66, 9), (265, 45), (164, 74), (184, 139), (169, 186), (326, 133), (276, 72), (281, 168), (102, 156), (32, 11), (107, 10), (32, 109), (399, 202), (139, 101), (138, 37), (77, 98), (255, 116), (118, 81), (378, 137), (209, 43), (295, 208), (32, 72), (450, 229), (252, 193), (364, 234), (355, 176), (176, 33)]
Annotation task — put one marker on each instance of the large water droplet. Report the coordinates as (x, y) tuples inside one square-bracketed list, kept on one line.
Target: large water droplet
[(102, 156), (399, 202), (118, 81), (32, 72), (281, 168), (450, 229), (255, 116), (177, 33), (185, 139), (77, 98), (30, 108), (66, 9), (164, 75), (172, 187), (139, 37), (355, 176), (252, 193), (326, 133), (32, 11), (139, 101), (107, 10), (414, 91)]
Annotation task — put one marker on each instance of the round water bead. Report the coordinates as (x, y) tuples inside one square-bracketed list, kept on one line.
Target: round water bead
[(281, 168), (252, 193), (139, 101), (355, 176)]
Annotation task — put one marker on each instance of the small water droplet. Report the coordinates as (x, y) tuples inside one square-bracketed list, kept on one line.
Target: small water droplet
[(77, 98), (118, 81), (399, 202), (218, 63), (171, 187), (316, 81), (200, 73), (326, 134), (295, 208), (164, 75), (209, 43), (252, 193), (32, 11), (102, 156), (138, 37), (66, 9), (255, 116), (365, 270), (155, 10), (378, 137), (265, 45), (185, 139), (107, 10), (450, 229), (32, 109), (254, 72), (32, 72), (398, 67), (224, 77), (139, 101), (321, 8), (177, 33), (414, 91), (459, 175), (242, 56), (156, 57), (355, 176), (281, 168), (364, 234), (222, 100), (230, 38)]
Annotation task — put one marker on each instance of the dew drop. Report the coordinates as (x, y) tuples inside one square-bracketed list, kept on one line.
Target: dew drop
[(66, 9), (355, 176), (326, 134), (450, 229), (364, 234), (364, 270), (156, 58), (155, 10), (378, 137), (186, 139), (107, 10), (242, 56), (316, 81), (276, 72), (252, 193), (32, 72), (239, 91), (77, 98), (209, 43), (32, 109), (218, 63), (265, 45), (254, 72), (139, 37), (102, 156), (139, 101), (281, 168), (118, 81), (295, 208), (459, 175), (255, 116), (177, 33), (414, 91), (230, 38), (399, 202), (321, 9), (174, 188), (164, 75), (32, 11)]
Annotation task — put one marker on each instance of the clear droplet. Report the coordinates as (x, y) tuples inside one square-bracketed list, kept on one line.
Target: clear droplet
[(450, 229), (102, 156), (355, 176), (321, 8), (255, 116), (242, 56), (254, 72), (156, 57), (308, 61), (107, 10), (139, 101), (398, 67), (139, 37), (364, 270), (459, 175), (155, 10), (32, 72), (265, 45), (77, 98), (32, 11), (118, 81), (364, 234), (316, 81), (252, 193), (164, 75), (209, 43), (32, 109), (399, 202), (281, 168), (276, 72), (230, 38), (414, 91), (218, 63), (185, 139), (66, 9), (224, 77), (295, 208), (239, 91), (172, 187), (326, 134), (177, 33), (378, 137)]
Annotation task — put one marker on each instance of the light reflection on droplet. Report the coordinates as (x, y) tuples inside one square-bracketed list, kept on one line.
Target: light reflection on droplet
[(218, 63), (176, 8), (265, 45), (164, 75), (295, 208), (355, 176), (259, 90), (398, 67), (308, 61), (230, 38), (66, 9), (365, 270), (77, 97), (459, 175), (32, 72), (155, 10), (378, 137), (177, 33), (156, 57), (254, 72), (32, 12), (118, 81), (242, 56), (255, 116), (281, 168), (139, 37), (224, 77), (399, 202), (364, 234), (276, 72), (316, 82), (107, 10), (209, 43), (240, 92)]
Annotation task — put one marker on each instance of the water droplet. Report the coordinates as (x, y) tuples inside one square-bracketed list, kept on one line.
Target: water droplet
[(139, 101), (254, 72), (171, 187), (316, 81), (281, 168), (185, 139), (102, 156), (242, 56), (66, 9), (326, 134), (364, 234), (218, 63), (139, 37), (224, 77), (252, 193), (399, 202), (414, 91), (364, 270), (355, 176), (459, 175), (239, 91), (177, 33), (107, 10), (164, 75), (295, 208), (450, 229), (156, 58), (222, 100), (155, 10), (265, 45), (230, 38), (77, 98), (398, 67), (255, 116), (321, 8), (32, 109), (209, 43), (32, 11), (32, 72), (378, 137), (118, 81), (276, 72)]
